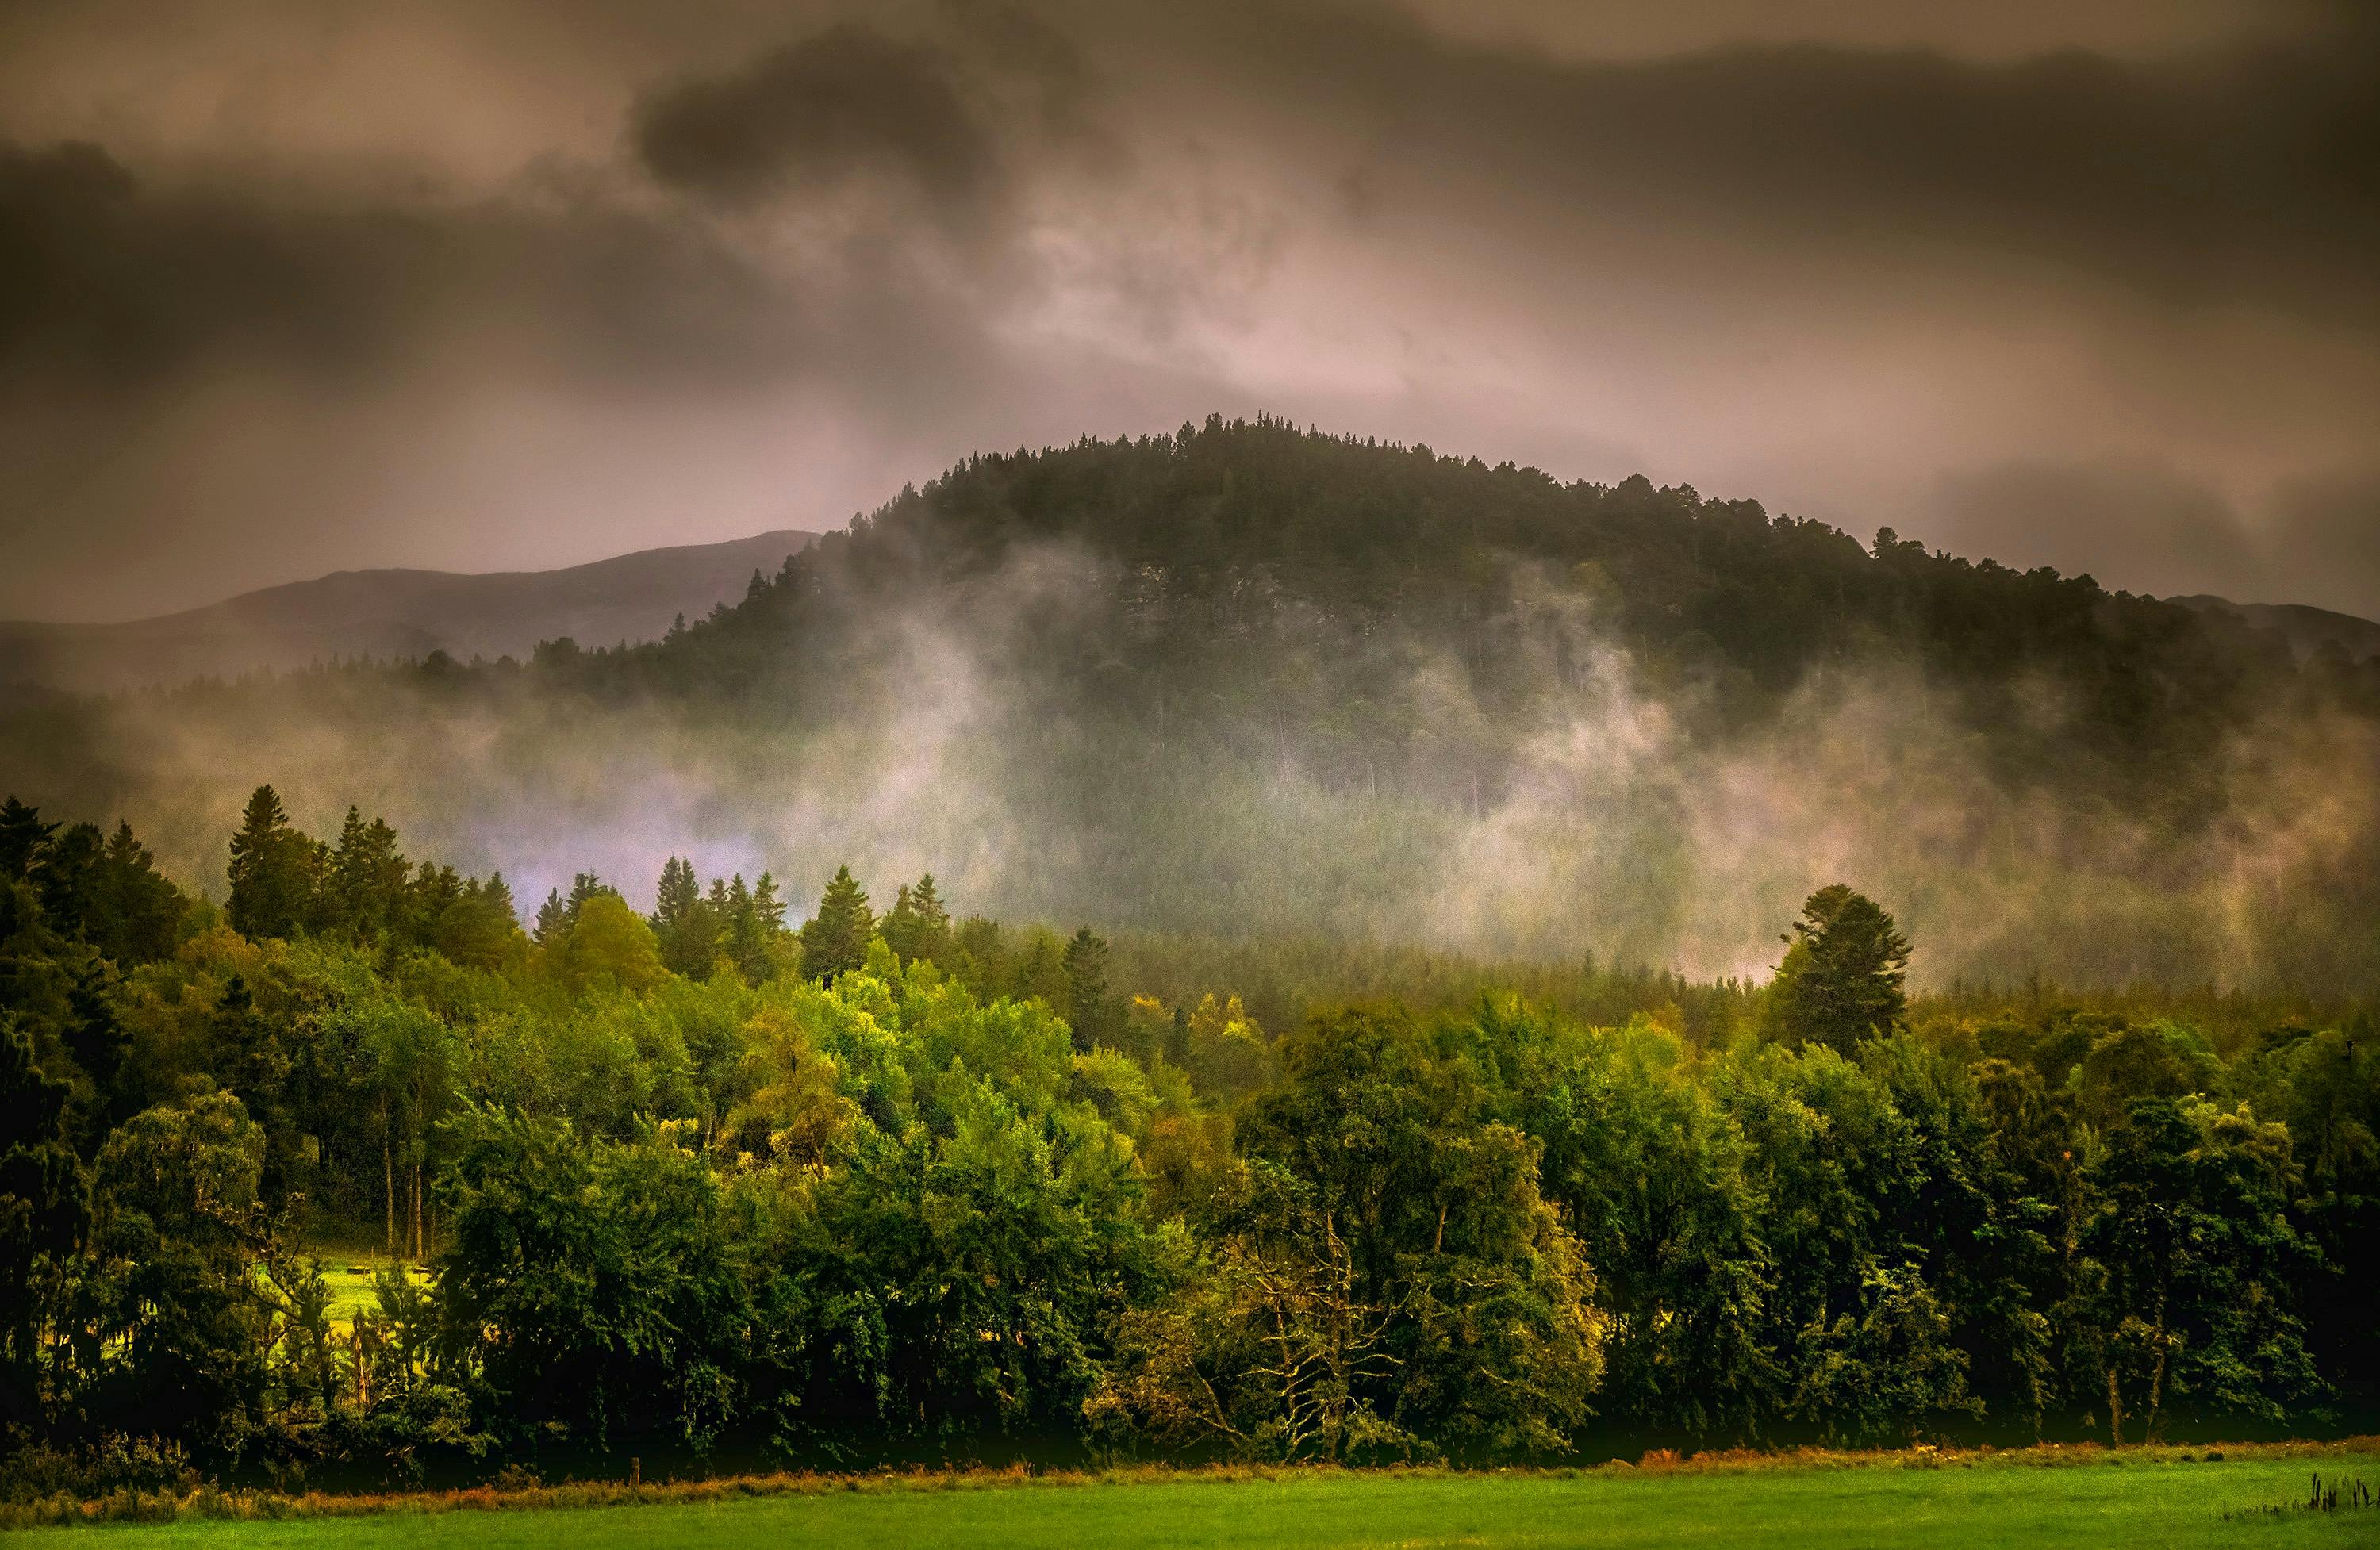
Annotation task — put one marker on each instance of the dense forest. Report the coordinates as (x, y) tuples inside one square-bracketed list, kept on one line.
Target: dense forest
[(1249, 680), (708, 1182)]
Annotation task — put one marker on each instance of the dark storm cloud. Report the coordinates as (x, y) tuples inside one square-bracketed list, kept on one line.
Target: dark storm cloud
[(1823, 273), (108, 281), (110, 278), (848, 100), (2246, 174), (98, 276)]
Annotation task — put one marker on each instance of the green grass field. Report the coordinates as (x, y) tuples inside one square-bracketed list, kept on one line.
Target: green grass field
[(349, 1274), (2171, 1505)]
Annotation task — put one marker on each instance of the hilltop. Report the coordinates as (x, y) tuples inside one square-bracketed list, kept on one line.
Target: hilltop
[(396, 615)]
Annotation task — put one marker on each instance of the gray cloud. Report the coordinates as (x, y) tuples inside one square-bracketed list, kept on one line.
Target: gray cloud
[(2153, 528), (1838, 256), (2326, 541), (2242, 173), (847, 101), (2139, 529), (111, 279)]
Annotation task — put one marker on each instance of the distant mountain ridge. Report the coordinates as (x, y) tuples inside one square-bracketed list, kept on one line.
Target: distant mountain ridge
[(2309, 629), (397, 613)]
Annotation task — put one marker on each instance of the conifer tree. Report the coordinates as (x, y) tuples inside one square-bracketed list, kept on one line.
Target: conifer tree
[(684, 922), (552, 919), (768, 908), (1842, 980), (68, 874), (918, 929), (835, 940), (139, 907), (497, 895), (22, 835), (272, 870), (584, 887), (368, 880), (1087, 987), (675, 896)]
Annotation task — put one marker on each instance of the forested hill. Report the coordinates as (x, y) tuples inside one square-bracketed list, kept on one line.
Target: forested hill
[(1156, 553), (1250, 680)]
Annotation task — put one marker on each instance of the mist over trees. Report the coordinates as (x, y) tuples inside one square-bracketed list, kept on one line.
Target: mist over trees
[(1250, 679), (1450, 1038), (987, 1190)]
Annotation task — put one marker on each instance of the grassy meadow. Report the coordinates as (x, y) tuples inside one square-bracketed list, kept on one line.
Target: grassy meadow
[(348, 1273), (2171, 1499)]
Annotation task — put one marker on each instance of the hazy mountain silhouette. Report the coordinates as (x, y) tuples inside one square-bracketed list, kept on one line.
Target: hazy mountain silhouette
[(2308, 628), (397, 613)]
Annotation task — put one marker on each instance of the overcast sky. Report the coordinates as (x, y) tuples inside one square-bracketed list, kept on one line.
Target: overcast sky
[(287, 288)]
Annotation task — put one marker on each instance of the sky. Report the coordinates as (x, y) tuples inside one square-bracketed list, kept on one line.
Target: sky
[(300, 285)]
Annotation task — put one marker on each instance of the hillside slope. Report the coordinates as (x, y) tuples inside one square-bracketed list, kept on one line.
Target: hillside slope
[(396, 614), (1248, 680), (2308, 629)]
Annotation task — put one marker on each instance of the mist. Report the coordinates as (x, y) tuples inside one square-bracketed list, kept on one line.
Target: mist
[(1611, 812)]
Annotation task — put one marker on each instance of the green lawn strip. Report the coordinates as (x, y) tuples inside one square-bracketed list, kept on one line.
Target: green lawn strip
[(2167, 1505), (351, 1293)]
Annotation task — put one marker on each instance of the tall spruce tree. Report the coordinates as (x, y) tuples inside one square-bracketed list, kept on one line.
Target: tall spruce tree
[(22, 835), (1087, 987), (139, 909), (683, 921), (835, 940), (368, 877), (272, 870), (918, 929), (768, 908), (553, 920)]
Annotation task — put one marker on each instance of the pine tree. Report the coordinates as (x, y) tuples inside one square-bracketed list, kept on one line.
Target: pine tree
[(1087, 987), (768, 908), (139, 908), (497, 895), (68, 874), (479, 928), (346, 906), (1842, 980), (271, 873), (918, 929), (22, 835), (677, 895), (741, 940), (433, 891), (835, 940), (553, 920), (685, 922), (583, 887), (96, 1038), (369, 881)]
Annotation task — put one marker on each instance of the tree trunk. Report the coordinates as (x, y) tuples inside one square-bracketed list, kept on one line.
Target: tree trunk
[(2156, 1386), (2115, 1411), (388, 1171), (420, 1143)]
